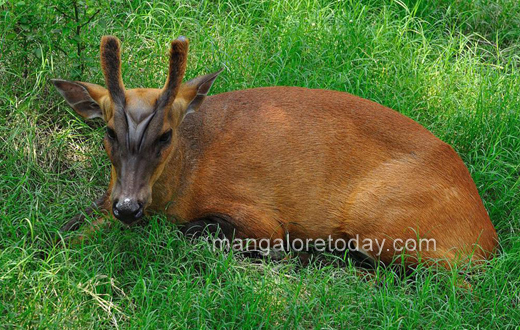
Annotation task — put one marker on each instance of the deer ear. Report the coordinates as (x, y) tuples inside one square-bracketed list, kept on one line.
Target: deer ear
[(86, 99), (194, 91)]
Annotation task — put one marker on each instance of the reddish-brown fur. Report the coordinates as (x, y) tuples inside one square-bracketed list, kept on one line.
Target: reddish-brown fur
[(312, 163)]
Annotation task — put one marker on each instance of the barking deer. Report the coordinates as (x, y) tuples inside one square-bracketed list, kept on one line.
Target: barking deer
[(280, 163)]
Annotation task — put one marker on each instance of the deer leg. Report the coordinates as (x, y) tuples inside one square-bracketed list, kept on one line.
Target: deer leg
[(101, 204), (77, 223), (227, 231), (212, 225)]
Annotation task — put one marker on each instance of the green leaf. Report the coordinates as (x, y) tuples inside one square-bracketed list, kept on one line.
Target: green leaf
[(38, 52)]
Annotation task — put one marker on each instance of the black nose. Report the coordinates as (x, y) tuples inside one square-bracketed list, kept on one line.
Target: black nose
[(127, 210)]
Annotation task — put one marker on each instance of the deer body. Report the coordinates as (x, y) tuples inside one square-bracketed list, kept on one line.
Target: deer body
[(312, 163), (284, 163)]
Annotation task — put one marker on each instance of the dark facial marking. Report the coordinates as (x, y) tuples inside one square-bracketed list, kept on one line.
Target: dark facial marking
[(141, 121), (136, 131)]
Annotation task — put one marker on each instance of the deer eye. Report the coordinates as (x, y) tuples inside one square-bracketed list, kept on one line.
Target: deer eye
[(165, 138), (111, 134)]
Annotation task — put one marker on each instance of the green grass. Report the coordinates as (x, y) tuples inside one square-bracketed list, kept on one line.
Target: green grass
[(453, 67)]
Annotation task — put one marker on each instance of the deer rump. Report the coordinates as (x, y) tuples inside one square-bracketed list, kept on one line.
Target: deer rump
[(289, 163)]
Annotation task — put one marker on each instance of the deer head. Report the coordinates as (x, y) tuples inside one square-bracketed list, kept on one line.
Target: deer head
[(141, 123)]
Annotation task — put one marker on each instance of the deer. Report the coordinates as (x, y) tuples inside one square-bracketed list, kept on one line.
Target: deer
[(279, 163)]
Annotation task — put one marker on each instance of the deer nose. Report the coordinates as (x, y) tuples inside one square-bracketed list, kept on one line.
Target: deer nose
[(127, 210)]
